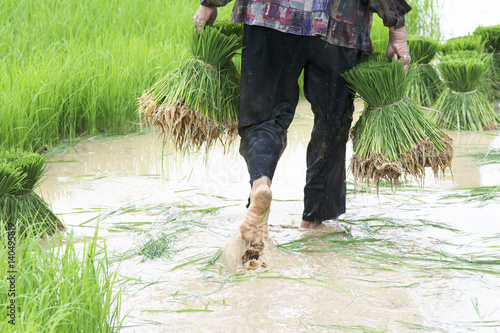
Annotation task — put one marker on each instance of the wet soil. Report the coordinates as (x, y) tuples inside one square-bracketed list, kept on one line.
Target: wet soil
[(414, 260)]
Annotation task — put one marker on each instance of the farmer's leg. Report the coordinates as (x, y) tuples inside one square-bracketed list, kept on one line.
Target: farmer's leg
[(332, 105), (271, 66)]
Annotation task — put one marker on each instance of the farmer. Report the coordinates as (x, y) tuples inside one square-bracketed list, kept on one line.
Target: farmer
[(281, 39)]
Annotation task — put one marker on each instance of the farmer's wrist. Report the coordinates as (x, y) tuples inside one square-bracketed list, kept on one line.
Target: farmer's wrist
[(397, 34)]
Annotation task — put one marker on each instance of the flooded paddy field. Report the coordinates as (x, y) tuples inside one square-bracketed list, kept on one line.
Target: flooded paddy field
[(416, 259)]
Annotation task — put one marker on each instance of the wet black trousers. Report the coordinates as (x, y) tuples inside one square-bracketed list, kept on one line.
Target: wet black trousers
[(272, 62)]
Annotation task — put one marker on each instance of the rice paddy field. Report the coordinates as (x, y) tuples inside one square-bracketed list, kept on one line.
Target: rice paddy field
[(145, 226), (415, 260)]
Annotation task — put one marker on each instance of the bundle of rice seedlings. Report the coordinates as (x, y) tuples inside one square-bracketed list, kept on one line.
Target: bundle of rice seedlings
[(393, 137), (463, 43), (19, 203), (198, 101), (474, 44), (426, 86), (491, 38), (463, 106)]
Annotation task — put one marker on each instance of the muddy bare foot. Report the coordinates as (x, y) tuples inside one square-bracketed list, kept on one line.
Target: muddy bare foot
[(254, 226)]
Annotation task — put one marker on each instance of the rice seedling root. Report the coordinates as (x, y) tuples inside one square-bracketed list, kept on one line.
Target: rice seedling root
[(185, 126), (377, 166)]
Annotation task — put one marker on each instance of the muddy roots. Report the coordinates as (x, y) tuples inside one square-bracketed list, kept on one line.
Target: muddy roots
[(184, 126), (413, 163)]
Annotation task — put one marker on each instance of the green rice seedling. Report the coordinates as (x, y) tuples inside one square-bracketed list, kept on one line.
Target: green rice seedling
[(418, 327), (379, 253), (228, 28), (19, 204), (482, 195), (57, 287), (475, 44), (392, 136), (10, 180), (423, 49), (344, 328), (197, 103), (157, 246), (491, 37), (426, 86), (463, 43), (372, 57), (490, 156), (462, 106)]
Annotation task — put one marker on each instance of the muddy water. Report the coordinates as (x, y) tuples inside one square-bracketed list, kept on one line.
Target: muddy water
[(135, 187)]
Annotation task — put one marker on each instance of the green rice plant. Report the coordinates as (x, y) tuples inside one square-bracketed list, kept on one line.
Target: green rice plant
[(490, 36), (58, 288), (382, 254), (463, 43), (423, 49), (486, 84), (19, 204), (482, 194), (393, 137), (462, 106), (228, 28), (198, 101), (426, 86), (31, 165), (344, 328), (372, 57), (10, 179), (490, 156), (156, 247)]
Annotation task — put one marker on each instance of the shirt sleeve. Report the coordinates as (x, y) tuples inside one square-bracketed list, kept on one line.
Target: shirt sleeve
[(214, 3), (392, 12)]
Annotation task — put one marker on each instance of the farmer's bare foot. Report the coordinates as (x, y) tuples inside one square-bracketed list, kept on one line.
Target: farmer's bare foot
[(254, 226), (309, 225)]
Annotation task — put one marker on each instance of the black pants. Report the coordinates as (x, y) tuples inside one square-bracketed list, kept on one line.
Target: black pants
[(272, 62)]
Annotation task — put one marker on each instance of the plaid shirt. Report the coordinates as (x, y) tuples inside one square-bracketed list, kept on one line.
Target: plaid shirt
[(345, 23)]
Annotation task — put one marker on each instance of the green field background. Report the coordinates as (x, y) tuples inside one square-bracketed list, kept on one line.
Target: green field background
[(70, 68)]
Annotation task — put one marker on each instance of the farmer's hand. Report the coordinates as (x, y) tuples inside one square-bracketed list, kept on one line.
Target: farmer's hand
[(397, 47), (204, 15)]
